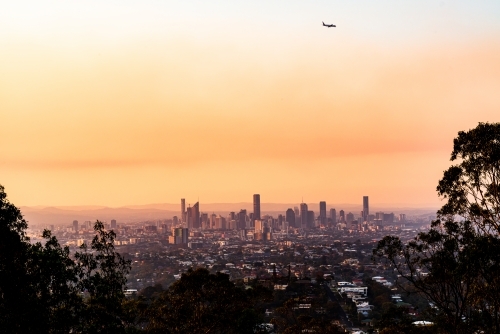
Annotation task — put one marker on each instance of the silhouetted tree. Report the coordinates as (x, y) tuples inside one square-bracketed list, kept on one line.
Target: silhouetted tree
[(200, 302), (102, 277), (456, 264), (41, 286)]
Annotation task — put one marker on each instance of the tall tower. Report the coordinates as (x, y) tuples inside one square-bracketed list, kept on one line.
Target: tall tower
[(183, 209), (290, 217), (366, 208), (333, 216), (242, 217), (195, 211), (303, 215), (322, 213), (256, 206)]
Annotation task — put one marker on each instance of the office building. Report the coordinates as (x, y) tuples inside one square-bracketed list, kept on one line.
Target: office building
[(303, 215), (75, 225), (259, 226), (113, 223), (290, 217), (256, 207), (193, 216), (183, 210), (366, 208), (242, 219), (310, 219), (179, 236), (333, 216), (342, 216), (322, 213)]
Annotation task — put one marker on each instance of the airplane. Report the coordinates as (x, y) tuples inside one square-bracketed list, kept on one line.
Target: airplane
[(329, 25)]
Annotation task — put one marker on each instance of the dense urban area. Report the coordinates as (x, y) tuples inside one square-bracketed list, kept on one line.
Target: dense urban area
[(316, 264)]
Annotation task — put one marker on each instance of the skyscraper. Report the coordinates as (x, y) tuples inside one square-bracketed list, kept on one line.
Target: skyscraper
[(310, 219), (195, 210), (75, 225), (256, 206), (303, 215), (342, 216), (290, 217), (113, 223), (322, 213), (183, 209), (333, 216), (242, 219), (366, 208), (193, 216)]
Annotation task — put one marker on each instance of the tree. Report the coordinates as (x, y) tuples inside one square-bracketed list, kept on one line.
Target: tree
[(41, 285), (102, 276), (456, 264), (201, 302)]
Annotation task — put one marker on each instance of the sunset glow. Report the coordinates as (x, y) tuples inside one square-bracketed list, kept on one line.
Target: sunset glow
[(142, 102)]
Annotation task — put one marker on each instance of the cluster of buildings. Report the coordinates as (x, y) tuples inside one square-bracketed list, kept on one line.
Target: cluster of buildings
[(254, 226), (296, 246)]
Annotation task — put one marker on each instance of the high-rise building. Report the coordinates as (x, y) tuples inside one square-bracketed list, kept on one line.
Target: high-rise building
[(183, 210), (297, 215), (75, 225), (303, 215), (113, 223), (256, 206), (310, 219), (212, 220), (333, 216), (195, 210), (179, 236), (366, 208), (342, 216), (193, 216), (350, 217), (322, 213), (242, 219), (204, 222), (259, 226), (290, 217)]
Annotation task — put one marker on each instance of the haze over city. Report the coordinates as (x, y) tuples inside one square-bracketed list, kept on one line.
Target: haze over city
[(134, 103)]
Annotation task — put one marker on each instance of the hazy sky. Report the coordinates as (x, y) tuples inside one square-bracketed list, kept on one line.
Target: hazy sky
[(135, 102)]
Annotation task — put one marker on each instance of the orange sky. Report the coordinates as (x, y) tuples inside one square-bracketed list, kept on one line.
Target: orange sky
[(131, 104)]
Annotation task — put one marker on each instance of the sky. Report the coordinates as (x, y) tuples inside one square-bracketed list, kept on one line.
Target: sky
[(134, 102)]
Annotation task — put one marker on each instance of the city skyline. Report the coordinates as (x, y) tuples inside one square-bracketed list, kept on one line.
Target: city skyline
[(133, 103)]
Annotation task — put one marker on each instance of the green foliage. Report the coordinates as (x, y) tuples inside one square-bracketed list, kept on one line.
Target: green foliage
[(456, 264)]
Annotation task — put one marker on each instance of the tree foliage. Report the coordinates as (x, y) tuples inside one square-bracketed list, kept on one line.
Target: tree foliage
[(456, 264), (45, 290), (201, 302)]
